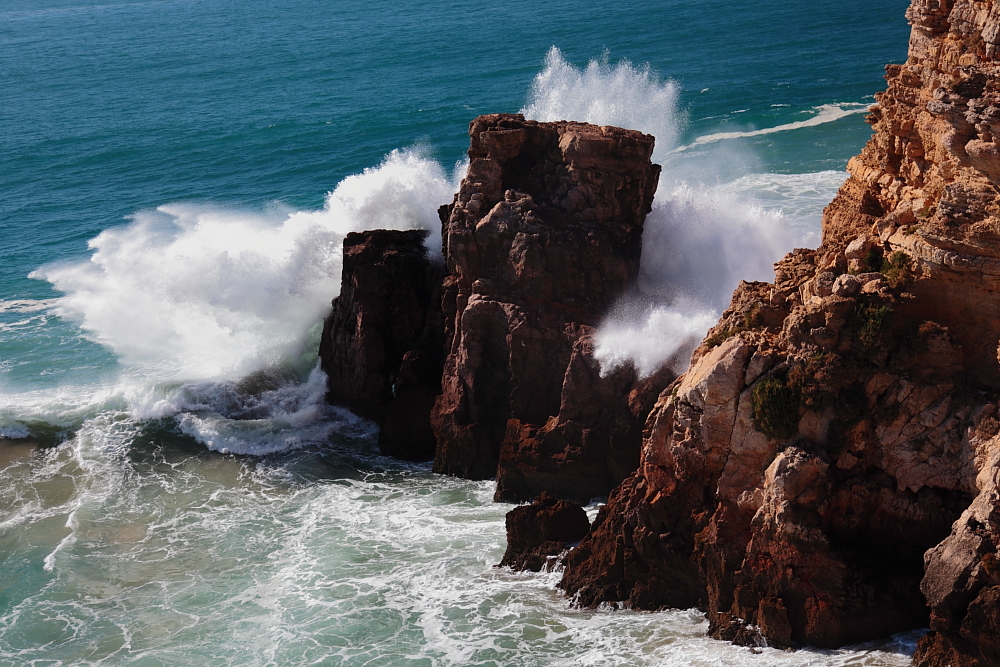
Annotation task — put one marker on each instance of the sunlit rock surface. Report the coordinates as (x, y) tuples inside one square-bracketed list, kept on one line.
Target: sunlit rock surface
[(825, 472)]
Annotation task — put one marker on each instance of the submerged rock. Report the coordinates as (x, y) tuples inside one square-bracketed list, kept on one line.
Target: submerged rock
[(538, 533)]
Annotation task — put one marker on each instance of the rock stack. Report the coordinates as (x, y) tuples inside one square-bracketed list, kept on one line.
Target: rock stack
[(543, 237), (541, 240)]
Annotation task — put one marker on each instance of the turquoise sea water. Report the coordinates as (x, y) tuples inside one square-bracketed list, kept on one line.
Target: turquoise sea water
[(175, 180)]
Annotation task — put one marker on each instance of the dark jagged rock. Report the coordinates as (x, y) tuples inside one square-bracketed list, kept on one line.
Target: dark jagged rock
[(594, 441), (543, 236), (638, 552), (539, 532), (382, 346)]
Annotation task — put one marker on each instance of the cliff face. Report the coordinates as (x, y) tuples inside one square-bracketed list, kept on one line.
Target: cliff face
[(929, 176), (542, 238), (809, 479)]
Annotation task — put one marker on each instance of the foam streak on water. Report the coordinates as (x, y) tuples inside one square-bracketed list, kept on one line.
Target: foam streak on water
[(826, 113)]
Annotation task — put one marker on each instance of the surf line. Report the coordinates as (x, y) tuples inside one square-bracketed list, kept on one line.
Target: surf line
[(827, 114)]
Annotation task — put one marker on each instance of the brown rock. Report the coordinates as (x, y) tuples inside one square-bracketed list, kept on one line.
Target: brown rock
[(638, 552), (594, 441), (928, 178), (803, 510), (802, 479), (934, 650), (539, 532), (382, 347), (846, 285), (543, 236), (962, 573)]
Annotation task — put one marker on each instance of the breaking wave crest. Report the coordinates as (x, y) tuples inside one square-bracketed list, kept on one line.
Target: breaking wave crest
[(197, 292), (214, 313), (623, 95)]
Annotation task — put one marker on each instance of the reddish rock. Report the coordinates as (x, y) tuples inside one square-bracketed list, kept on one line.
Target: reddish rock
[(382, 347), (638, 552), (796, 514), (539, 532), (832, 430), (962, 574), (542, 238), (935, 650)]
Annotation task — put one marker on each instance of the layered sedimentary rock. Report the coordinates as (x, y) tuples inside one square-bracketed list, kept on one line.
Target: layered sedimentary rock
[(542, 238), (538, 533), (825, 471), (382, 346)]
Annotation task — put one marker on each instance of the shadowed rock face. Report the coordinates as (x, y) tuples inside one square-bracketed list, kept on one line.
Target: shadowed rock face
[(543, 237), (539, 532), (808, 481), (382, 347)]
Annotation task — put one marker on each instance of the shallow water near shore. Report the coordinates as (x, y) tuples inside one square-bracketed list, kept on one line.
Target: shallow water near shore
[(176, 178), (149, 550)]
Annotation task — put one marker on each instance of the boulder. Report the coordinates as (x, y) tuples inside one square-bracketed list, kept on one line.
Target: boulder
[(538, 533)]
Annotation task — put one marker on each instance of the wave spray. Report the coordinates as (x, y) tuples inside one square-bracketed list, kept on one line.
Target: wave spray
[(703, 235)]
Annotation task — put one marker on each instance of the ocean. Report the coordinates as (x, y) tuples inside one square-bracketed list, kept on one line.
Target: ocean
[(176, 178)]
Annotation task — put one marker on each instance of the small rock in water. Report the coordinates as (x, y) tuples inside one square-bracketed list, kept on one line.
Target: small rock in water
[(541, 531)]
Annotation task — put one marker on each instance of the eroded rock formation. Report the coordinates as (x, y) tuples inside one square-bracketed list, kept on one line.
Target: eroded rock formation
[(382, 346), (827, 467), (542, 238)]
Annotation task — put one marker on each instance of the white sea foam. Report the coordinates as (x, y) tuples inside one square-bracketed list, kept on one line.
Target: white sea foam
[(195, 292), (228, 418), (26, 305), (214, 312), (651, 335), (825, 113), (705, 232), (178, 558), (623, 95)]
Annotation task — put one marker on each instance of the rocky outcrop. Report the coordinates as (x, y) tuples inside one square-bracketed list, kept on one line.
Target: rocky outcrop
[(825, 471), (382, 347), (542, 238), (793, 479), (962, 574), (538, 533), (592, 444)]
